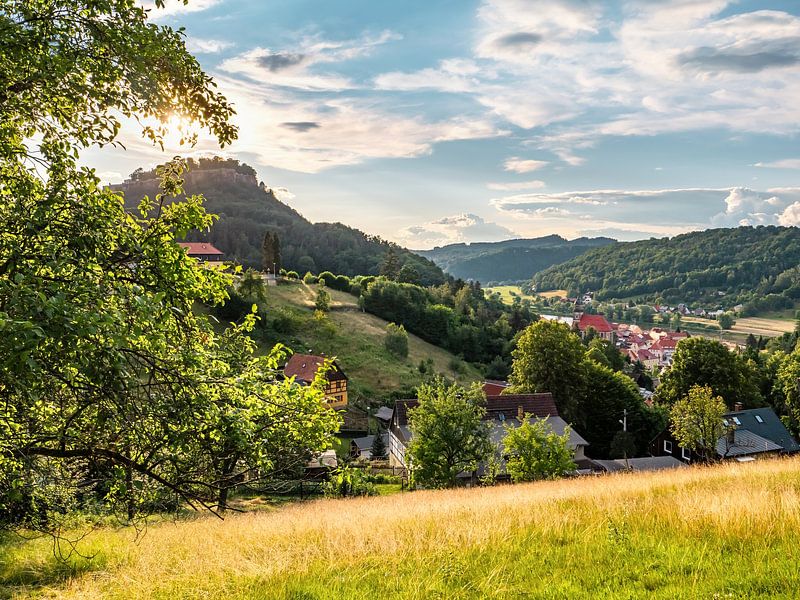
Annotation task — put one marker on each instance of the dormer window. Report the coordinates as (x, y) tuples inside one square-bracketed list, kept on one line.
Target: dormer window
[(759, 419)]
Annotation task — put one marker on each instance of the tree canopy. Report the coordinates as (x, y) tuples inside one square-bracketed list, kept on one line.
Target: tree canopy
[(700, 361), (114, 391), (449, 433)]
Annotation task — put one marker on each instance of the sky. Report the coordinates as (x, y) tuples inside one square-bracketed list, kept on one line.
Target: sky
[(442, 121)]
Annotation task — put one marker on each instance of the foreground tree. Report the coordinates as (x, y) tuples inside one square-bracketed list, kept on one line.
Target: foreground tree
[(449, 433), (534, 451), (113, 390), (696, 422)]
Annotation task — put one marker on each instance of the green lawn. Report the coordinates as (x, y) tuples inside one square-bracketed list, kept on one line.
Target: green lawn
[(722, 532)]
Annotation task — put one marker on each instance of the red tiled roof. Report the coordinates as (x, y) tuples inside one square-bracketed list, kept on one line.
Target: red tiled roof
[(493, 388), (304, 367), (598, 322), (665, 344), (199, 248)]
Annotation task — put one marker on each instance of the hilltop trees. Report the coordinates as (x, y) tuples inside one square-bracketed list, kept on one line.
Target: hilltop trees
[(450, 435), (756, 266), (115, 393)]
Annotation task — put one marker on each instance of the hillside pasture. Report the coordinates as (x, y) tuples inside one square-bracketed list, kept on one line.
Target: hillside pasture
[(356, 339), (727, 531)]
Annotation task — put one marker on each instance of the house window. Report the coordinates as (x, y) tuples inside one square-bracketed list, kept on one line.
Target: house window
[(737, 421), (686, 454), (759, 419), (667, 446)]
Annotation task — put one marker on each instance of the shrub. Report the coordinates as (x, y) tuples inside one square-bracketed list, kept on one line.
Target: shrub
[(396, 340), (292, 275), (323, 301), (309, 278), (347, 482)]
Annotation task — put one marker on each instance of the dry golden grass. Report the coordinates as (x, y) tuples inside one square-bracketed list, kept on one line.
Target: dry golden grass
[(727, 531)]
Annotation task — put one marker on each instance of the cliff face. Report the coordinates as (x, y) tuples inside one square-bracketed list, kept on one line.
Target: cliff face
[(192, 179)]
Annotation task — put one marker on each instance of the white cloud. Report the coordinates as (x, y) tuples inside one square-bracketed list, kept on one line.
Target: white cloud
[(465, 227), (516, 186), (203, 46), (109, 177), (790, 215), (522, 165), (295, 67), (786, 163), (670, 211), (175, 7), (282, 194), (309, 135)]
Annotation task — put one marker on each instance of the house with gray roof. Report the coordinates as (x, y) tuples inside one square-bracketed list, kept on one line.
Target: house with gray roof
[(501, 411), (757, 433)]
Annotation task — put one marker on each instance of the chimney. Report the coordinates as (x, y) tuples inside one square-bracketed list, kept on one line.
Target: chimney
[(520, 413), (737, 407)]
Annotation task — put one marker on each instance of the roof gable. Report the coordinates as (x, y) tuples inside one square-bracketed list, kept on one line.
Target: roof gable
[(304, 367), (769, 427), (200, 248), (598, 322)]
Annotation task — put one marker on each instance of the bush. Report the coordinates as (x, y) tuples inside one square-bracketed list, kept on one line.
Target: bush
[(396, 340), (347, 482), (309, 278), (292, 275)]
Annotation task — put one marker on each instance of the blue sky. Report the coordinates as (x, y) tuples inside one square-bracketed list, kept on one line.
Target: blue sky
[(455, 120)]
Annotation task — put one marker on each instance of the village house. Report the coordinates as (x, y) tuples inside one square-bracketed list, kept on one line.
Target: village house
[(501, 410), (304, 367), (758, 433), (598, 323), (204, 252), (361, 448)]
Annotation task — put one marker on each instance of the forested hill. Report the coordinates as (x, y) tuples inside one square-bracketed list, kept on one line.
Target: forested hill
[(745, 264), (510, 260), (247, 209)]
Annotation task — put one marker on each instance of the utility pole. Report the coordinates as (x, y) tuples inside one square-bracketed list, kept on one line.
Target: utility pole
[(624, 421)]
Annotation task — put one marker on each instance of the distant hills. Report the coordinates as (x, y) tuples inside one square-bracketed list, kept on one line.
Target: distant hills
[(510, 260), (757, 266), (247, 209)]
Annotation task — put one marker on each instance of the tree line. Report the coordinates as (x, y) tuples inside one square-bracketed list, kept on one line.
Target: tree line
[(754, 266)]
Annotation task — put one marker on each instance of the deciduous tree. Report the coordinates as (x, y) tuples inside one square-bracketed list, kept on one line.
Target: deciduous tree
[(696, 421), (534, 451), (449, 433)]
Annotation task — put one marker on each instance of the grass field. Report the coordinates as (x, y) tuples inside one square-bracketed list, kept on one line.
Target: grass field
[(758, 326), (357, 340), (722, 532), (507, 293)]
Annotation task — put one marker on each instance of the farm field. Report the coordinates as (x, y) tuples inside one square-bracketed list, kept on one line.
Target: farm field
[(507, 293), (758, 326), (727, 531)]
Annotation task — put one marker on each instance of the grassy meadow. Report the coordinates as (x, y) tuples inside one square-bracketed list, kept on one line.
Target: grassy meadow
[(357, 340), (728, 531)]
